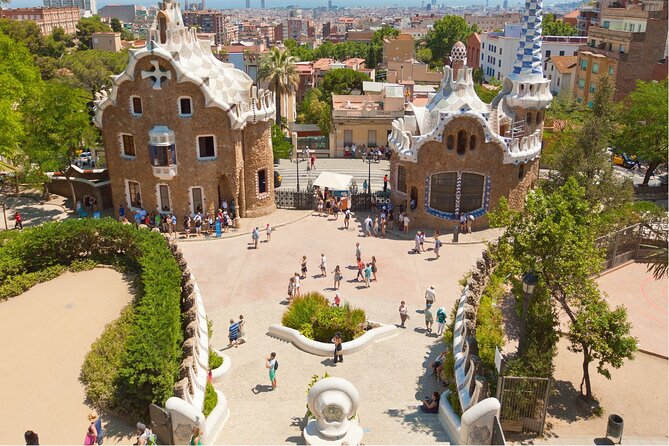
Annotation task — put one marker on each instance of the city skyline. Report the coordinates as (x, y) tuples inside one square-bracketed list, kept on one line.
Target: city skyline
[(240, 4)]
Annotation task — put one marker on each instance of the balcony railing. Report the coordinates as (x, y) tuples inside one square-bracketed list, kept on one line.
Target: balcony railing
[(165, 172), (342, 113)]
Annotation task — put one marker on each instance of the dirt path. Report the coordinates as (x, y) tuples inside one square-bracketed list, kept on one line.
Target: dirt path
[(46, 333)]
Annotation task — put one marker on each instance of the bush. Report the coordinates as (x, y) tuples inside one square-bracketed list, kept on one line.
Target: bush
[(150, 361), (489, 327), (315, 319), (215, 360), (210, 399), (99, 372), (82, 265), (15, 285)]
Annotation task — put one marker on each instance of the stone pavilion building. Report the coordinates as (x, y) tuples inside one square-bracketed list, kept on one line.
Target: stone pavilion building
[(184, 131), (458, 155)]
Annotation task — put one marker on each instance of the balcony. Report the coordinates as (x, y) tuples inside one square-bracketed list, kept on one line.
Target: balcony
[(165, 172)]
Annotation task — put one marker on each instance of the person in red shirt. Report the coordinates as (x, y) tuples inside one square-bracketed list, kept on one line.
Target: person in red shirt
[(385, 183), (18, 222)]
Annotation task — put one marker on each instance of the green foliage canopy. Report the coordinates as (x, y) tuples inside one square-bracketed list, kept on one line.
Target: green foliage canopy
[(342, 81), (85, 29), (444, 34), (554, 236), (643, 125), (552, 27)]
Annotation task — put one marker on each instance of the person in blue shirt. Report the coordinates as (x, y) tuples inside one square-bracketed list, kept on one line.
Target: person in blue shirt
[(121, 212), (233, 333)]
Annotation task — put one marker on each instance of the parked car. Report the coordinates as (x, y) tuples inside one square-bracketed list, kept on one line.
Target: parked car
[(626, 161), (277, 179)]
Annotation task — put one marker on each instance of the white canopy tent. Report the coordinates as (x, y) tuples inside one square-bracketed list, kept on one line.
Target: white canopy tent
[(333, 181)]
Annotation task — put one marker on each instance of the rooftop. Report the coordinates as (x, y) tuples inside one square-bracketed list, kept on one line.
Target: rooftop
[(564, 63)]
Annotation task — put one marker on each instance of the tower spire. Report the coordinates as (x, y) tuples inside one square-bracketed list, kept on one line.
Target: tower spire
[(528, 57)]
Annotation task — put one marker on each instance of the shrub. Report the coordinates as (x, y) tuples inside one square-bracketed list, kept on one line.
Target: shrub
[(15, 285), (315, 319), (215, 360), (150, 362), (82, 265), (99, 372), (489, 331), (210, 399)]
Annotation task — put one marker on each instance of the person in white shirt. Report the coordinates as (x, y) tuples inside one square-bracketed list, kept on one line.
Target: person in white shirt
[(430, 296), (324, 266)]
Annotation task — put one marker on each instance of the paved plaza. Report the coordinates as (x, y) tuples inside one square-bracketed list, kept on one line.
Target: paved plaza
[(391, 375)]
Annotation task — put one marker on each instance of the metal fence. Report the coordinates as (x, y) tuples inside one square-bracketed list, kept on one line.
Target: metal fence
[(524, 402), (497, 438), (304, 199), (632, 243)]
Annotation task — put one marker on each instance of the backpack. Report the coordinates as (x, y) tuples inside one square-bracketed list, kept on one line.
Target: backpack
[(276, 365), (151, 438)]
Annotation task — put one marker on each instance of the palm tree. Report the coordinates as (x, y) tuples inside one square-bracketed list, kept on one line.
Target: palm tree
[(278, 68)]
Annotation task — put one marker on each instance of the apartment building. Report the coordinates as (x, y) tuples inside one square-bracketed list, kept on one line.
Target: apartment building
[(412, 71), (85, 6), (47, 19), (492, 22), (214, 22), (125, 13), (107, 41), (400, 48), (560, 71), (627, 46), (498, 50), (364, 120), (473, 45)]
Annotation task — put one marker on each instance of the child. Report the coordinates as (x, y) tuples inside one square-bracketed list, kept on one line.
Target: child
[(268, 232), (337, 300)]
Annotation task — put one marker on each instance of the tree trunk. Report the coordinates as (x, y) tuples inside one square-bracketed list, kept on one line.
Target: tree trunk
[(277, 98), (649, 172), (586, 375), (74, 196)]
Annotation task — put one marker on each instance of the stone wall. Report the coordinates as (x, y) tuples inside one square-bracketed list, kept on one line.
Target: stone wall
[(257, 154), (161, 108), (486, 159)]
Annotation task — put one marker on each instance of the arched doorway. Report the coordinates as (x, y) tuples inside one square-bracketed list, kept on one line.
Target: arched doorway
[(413, 200), (224, 190)]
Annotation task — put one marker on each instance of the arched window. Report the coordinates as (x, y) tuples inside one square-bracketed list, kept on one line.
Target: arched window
[(450, 142), (471, 192), (472, 142), (521, 171), (539, 118), (442, 191), (528, 118), (462, 142)]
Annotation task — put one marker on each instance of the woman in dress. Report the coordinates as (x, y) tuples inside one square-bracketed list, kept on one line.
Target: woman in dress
[(338, 356), (337, 277), (91, 432), (196, 437), (374, 268), (242, 329)]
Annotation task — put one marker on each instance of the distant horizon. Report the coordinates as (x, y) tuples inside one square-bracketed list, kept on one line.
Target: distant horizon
[(240, 4)]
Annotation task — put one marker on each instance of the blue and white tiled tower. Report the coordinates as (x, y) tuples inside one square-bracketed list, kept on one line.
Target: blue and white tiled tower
[(519, 108)]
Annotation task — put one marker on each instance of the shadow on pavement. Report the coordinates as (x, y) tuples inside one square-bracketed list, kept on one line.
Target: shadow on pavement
[(417, 421)]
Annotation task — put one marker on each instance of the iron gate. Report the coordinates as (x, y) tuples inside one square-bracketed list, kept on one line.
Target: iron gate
[(524, 402)]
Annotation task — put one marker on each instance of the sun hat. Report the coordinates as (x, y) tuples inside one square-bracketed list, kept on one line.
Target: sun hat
[(92, 416)]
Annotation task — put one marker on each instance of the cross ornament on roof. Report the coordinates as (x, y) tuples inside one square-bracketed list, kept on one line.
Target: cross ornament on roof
[(157, 74)]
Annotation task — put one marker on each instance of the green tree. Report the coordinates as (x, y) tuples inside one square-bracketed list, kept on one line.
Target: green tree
[(342, 81), (376, 46), (582, 154), (57, 125), (85, 29), (444, 34), (116, 25), (299, 52), (277, 67), (19, 80), (316, 110), (554, 236), (424, 55), (281, 146), (92, 69), (25, 31), (552, 27), (643, 130), (486, 93)]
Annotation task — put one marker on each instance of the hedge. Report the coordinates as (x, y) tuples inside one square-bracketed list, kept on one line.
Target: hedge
[(152, 352)]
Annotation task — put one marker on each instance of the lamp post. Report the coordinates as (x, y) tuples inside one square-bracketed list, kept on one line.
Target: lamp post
[(368, 159), (297, 168), (529, 282)]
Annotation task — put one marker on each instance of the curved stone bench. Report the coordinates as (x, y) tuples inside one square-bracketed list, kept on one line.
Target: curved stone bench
[(218, 373), (184, 414), (325, 349)]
